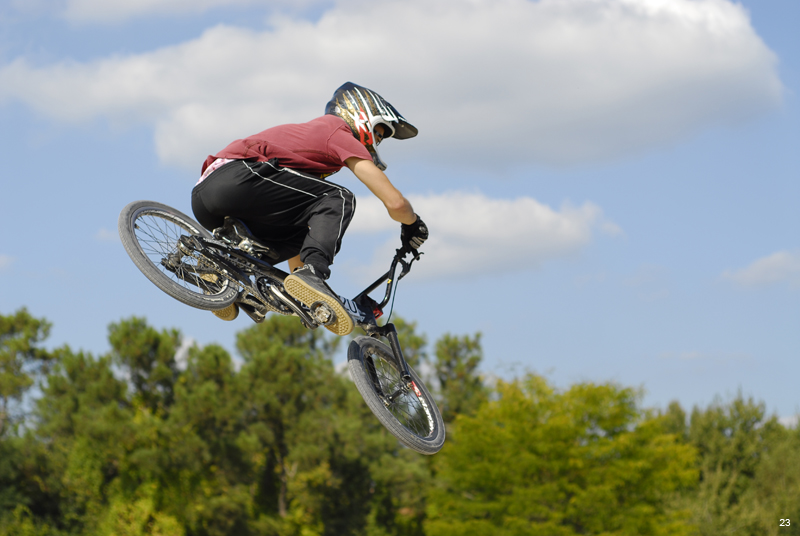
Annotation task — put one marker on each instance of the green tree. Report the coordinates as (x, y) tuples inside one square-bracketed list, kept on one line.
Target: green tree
[(209, 479), (22, 522), (461, 389), (258, 450), (749, 467), (537, 461), (774, 493), (148, 357), (291, 391), (103, 444), (85, 428), (21, 359), (675, 420)]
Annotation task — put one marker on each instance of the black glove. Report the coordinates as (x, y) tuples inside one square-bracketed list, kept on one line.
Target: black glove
[(412, 236)]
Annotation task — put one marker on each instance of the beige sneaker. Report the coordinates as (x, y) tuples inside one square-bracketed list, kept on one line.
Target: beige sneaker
[(309, 288), (227, 314)]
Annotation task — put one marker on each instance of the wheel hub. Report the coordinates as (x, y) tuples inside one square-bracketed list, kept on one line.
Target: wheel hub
[(184, 248)]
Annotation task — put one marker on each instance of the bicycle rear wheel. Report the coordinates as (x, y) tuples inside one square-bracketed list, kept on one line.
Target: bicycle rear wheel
[(150, 232), (411, 415)]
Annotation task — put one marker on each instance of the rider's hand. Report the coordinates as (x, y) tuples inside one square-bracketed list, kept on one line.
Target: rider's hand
[(412, 236)]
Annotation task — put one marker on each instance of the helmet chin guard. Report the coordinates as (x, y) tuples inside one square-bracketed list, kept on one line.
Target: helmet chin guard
[(363, 109)]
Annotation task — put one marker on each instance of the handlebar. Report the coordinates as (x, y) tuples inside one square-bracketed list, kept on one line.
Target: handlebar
[(388, 277), (400, 257)]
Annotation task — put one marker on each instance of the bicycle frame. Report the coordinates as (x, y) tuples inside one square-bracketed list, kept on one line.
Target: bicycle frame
[(253, 266), (388, 330)]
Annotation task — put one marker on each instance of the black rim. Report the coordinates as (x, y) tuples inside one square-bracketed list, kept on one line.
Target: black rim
[(409, 408), (157, 235)]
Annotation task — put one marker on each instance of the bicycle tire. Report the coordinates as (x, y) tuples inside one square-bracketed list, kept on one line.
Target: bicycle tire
[(149, 231), (414, 419)]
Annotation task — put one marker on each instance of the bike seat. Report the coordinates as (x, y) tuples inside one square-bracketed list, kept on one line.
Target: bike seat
[(237, 232)]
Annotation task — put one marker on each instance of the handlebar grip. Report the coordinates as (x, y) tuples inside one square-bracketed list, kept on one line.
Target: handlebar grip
[(405, 250)]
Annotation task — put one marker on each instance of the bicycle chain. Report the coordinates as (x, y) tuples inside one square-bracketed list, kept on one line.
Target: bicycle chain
[(263, 301)]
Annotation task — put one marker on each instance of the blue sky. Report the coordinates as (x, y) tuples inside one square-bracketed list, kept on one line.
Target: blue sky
[(611, 185)]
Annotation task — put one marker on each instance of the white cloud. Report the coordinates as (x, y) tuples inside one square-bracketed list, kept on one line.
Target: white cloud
[(782, 267), (109, 11), (473, 234), (790, 422), (114, 11), (500, 81)]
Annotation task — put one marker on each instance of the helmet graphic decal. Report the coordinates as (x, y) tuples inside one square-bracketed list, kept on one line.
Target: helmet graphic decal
[(363, 109), (363, 126)]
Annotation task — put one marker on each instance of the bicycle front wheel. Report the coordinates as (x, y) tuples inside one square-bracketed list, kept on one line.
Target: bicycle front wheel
[(407, 411), (150, 233)]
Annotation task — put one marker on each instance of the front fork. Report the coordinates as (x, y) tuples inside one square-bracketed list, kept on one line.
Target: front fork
[(407, 384)]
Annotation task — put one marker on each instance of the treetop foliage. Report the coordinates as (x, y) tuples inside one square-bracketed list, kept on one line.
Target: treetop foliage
[(582, 461), (277, 442)]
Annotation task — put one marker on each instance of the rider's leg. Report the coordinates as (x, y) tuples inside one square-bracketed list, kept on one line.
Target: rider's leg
[(289, 210), (292, 212), (327, 222), (295, 263)]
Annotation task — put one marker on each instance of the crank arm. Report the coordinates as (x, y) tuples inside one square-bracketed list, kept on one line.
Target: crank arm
[(296, 309)]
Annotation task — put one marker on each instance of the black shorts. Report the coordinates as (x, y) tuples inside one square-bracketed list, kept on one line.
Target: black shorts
[(292, 212)]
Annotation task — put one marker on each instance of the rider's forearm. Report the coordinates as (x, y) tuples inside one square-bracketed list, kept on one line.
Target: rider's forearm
[(399, 208), (402, 212)]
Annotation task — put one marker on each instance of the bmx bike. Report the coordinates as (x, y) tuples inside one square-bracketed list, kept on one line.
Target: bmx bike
[(231, 268)]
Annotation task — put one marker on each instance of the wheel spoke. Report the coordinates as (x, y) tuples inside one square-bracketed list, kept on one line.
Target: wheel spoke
[(406, 408), (158, 236)]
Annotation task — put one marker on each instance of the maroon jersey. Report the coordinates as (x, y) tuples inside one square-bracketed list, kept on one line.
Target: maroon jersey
[(320, 146)]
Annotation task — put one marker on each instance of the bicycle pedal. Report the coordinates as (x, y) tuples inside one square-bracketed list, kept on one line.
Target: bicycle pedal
[(254, 314), (211, 278), (228, 314), (322, 313)]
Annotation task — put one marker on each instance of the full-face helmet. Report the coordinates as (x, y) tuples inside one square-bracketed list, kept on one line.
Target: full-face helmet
[(363, 109)]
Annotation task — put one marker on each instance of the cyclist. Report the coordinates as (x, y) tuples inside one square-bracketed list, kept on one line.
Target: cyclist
[(274, 181)]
